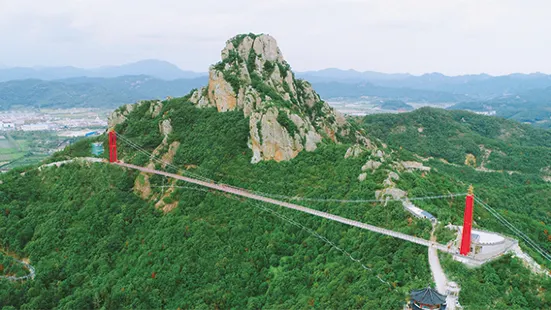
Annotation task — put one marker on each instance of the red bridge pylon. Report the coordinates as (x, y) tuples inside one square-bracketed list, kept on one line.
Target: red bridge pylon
[(112, 146), (467, 224)]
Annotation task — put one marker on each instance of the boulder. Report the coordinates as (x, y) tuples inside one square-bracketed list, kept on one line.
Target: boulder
[(371, 165)]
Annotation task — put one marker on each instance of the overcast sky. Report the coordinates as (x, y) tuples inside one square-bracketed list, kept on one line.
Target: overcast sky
[(415, 36)]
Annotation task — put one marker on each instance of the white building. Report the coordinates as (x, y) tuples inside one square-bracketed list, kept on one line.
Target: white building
[(487, 113), (417, 212), (35, 127), (7, 126)]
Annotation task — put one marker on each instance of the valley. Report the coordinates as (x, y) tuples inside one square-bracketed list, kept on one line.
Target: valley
[(30, 136)]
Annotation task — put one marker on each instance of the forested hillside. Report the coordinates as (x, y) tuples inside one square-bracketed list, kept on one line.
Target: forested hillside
[(95, 243), (530, 107), (100, 236), (451, 135)]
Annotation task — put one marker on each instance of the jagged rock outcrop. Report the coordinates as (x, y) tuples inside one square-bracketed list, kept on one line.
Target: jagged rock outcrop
[(155, 108), (272, 140), (389, 181), (470, 160), (371, 165), (413, 165), (119, 115), (286, 115), (354, 151), (165, 128), (394, 193)]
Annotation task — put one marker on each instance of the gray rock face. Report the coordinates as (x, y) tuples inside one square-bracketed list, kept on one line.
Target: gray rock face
[(413, 165), (273, 142), (395, 193), (119, 115), (354, 151), (270, 140), (393, 176), (155, 108), (389, 181), (266, 46), (165, 127)]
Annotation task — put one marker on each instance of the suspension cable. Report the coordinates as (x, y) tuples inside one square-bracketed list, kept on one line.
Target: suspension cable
[(155, 158), (322, 238), (515, 230), (296, 198), (297, 224), (331, 200)]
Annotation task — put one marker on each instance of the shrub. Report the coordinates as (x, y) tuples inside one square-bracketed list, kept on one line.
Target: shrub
[(269, 68), (259, 128), (285, 121), (251, 61)]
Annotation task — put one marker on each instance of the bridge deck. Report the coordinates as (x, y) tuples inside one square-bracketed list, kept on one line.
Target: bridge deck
[(336, 218)]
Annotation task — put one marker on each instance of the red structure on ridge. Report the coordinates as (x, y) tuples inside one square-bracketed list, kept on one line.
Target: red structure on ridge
[(112, 146), (467, 224)]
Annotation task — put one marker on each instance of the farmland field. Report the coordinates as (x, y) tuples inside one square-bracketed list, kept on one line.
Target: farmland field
[(4, 144), (10, 148)]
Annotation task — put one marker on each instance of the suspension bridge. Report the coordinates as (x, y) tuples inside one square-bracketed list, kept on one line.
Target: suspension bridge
[(263, 198), (464, 249)]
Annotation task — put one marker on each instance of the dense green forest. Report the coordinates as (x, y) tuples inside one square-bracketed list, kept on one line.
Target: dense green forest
[(451, 135), (503, 284), (530, 109), (9, 266), (95, 243)]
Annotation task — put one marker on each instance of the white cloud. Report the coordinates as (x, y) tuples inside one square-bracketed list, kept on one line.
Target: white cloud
[(454, 37)]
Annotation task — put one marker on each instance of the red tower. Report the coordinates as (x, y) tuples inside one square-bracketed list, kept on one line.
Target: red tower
[(467, 224), (112, 146)]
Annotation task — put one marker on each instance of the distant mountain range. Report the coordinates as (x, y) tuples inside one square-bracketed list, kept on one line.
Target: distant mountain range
[(329, 90), (154, 68), (523, 97), (91, 92), (480, 86)]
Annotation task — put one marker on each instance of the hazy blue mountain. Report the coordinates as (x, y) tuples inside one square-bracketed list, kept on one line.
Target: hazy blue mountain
[(155, 68), (481, 86), (350, 76), (91, 92), (349, 90), (20, 73), (538, 95)]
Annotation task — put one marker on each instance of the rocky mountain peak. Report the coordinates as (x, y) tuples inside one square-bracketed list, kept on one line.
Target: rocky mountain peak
[(286, 114), (263, 45)]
